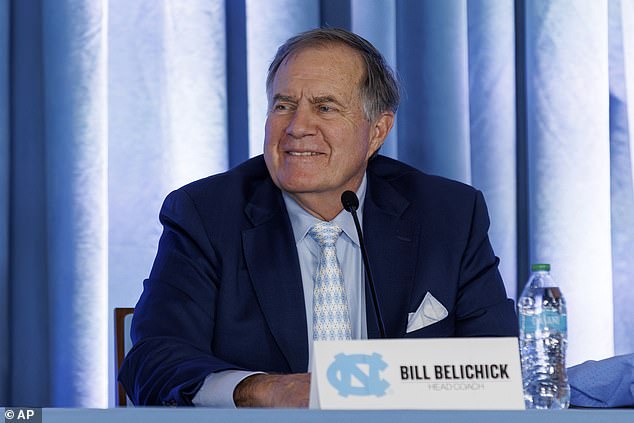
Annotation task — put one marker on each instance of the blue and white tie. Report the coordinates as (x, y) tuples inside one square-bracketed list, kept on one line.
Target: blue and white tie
[(331, 319)]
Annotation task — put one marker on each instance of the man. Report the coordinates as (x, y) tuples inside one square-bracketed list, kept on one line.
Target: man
[(236, 290)]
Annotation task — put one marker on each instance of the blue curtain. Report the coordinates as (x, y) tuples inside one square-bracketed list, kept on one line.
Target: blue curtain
[(5, 370), (567, 111), (106, 106), (55, 207), (621, 74)]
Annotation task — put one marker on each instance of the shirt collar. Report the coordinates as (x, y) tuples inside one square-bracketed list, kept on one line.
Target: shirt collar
[(302, 221)]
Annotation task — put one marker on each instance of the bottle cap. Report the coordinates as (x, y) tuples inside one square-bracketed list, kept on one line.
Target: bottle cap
[(540, 267)]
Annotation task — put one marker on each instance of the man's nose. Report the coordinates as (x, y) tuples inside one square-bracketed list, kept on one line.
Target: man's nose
[(302, 123)]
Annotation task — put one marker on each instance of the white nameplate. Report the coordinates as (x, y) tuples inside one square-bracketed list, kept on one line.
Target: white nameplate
[(441, 374)]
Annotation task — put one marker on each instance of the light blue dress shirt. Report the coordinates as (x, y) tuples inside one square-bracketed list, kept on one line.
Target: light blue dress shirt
[(217, 389), (350, 261)]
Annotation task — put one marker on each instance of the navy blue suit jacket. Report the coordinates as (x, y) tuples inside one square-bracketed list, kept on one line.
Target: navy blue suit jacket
[(225, 291)]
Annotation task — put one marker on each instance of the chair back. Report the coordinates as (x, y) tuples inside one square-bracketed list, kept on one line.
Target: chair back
[(122, 344)]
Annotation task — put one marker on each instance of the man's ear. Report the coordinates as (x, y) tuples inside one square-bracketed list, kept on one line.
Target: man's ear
[(380, 130)]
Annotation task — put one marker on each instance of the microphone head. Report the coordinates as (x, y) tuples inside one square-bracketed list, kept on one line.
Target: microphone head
[(349, 201)]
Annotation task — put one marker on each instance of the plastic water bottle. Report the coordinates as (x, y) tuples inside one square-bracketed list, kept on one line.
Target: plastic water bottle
[(543, 340)]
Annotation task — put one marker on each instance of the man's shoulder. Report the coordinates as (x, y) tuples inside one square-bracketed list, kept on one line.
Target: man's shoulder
[(224, 196), (409, 181), (446, 207)]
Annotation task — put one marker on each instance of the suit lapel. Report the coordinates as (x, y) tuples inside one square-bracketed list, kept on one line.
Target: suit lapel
[(271, 257), (392, 245)]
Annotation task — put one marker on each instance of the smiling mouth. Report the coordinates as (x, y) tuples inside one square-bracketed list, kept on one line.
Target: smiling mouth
[(302, 153)]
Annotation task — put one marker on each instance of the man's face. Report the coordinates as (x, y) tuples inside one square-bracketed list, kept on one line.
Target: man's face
[(317, 139)]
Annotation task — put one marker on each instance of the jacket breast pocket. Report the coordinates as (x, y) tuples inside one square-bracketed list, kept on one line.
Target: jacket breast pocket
[(442, 329)]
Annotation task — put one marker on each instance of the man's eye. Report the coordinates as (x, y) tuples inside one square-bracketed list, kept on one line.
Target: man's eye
[(324, 108), (280, 107)]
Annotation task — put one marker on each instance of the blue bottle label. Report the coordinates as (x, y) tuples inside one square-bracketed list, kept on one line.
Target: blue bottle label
[(547, 321)]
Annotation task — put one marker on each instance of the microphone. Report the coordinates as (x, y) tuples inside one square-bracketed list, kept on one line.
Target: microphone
[(350, 203)]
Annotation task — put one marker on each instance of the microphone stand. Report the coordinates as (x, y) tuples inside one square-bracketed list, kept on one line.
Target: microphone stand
[(350, 202)]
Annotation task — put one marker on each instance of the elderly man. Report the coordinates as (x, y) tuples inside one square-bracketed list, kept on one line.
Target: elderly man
[(257, 262)]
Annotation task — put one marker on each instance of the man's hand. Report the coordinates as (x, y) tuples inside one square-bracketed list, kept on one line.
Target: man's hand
[(284, 391)]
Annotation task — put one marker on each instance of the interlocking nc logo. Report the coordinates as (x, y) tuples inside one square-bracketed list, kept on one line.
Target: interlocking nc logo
[(347, 375)]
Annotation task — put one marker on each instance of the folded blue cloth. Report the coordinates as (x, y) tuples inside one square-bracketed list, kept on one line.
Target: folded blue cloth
[(605, 383)]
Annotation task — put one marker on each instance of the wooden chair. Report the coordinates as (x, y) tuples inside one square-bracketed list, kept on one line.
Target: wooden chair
[(122, 344)]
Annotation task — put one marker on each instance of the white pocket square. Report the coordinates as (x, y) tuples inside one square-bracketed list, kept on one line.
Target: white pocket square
[(429, 312)]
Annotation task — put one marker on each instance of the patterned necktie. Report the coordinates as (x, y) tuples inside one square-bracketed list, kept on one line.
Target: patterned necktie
[(331, 319)]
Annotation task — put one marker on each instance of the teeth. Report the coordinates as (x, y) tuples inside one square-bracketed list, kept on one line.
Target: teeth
[(302, 153)]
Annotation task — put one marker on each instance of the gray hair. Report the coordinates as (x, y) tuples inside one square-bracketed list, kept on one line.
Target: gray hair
[(379, 89)]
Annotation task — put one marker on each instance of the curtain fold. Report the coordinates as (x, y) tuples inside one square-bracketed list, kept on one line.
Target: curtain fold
[(492, 123), (569, 163), (432, 60), (168, 114), (76, 140), (5, 153), (28, 350), (621, 41)]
